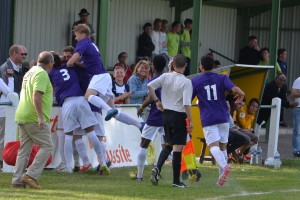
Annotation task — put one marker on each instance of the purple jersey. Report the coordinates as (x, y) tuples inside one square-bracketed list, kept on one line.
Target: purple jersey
[(65, 83), (90, 57), (84, 80), (155, 117), (210, 89)]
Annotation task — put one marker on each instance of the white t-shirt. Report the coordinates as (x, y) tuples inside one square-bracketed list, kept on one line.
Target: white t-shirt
[(155, 39), (296, 85), (176, 90), (163, 49), (5, 90)]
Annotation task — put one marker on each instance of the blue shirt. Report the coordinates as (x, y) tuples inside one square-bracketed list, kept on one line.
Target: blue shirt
[(138, 89), (90, 57), (155, 117), (65, 83), (283, 66), (210, 89)]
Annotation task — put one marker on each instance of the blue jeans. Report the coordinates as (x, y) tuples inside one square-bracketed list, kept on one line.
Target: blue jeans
[(296, 130)]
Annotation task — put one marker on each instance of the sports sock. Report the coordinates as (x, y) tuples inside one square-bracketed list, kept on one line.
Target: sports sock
[(225, 155), (98, 102), (141, 158), (103, 146), (97, 147), (126, 119), (68, 151), (219, 156), (164, 154), (75, 155), (81, 149), (176, 162), (61, 143)]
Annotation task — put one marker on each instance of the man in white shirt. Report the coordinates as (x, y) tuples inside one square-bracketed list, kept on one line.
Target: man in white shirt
[(295, 93), (155, 36)]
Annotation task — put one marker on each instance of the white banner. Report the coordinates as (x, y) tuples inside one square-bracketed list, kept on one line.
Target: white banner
[(122, 141)]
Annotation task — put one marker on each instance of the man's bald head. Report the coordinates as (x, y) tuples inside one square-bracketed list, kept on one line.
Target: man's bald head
[(45, 57), (280, 80)]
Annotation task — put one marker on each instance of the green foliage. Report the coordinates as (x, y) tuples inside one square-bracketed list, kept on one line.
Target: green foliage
[(245, 181)]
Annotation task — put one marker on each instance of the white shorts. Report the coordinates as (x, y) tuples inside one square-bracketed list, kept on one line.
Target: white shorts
[(218, 132), (99, 127), (76, 112), (150, 132), (102, 83)]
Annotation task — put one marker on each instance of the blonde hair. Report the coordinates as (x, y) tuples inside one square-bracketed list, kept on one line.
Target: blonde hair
[(141, 62), (82, 28)]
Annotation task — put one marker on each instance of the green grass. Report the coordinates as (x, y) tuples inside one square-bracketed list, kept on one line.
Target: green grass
[(245, 181)]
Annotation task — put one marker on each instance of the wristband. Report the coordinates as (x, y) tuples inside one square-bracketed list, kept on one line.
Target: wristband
[(141, 107)]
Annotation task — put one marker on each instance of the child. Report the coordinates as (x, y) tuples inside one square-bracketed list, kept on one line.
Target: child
[(175, 104), (210, 89), (119, 88), (99, 91)]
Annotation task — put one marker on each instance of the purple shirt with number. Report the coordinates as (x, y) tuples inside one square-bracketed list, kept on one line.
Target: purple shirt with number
[(155, 117), (210, 89), (65, 83), (90, 57)]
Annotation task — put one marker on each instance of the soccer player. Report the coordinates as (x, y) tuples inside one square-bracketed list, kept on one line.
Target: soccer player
[(154, 123), (210, 89), (76, 113), (175, 102), (99, 92)]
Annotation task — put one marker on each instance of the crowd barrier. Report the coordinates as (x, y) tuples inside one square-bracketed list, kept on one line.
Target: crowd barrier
[(122, 141)]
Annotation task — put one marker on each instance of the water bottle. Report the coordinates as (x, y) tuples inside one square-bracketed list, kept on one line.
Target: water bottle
[(253, 158), (277, 161), (259, 156)]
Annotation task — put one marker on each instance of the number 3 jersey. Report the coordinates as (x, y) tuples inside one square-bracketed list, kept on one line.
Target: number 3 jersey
[(65, 83), (210, 89)]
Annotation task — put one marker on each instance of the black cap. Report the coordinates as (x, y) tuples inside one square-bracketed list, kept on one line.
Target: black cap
[(83, 11)]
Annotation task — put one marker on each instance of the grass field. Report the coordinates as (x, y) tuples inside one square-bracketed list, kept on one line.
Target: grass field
[(245, 182)]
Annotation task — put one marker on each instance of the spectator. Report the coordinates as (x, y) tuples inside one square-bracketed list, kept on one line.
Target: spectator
[(155, 36), (185, 43), (281, 58), (5, 90), (32, 118), (163, 49), (250, 54), (17, 55), (217, 64), (119, 88), (245, 117), (295, 93), (145, 44), (83, 14), (173, 39), (276, 88), (122, 57), (264, 55), (138, 82)]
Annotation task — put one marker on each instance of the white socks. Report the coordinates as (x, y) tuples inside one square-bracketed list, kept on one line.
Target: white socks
[(81, 149), (225, 155), (75, 155), (98, 102), (219, 156), (103, 146), (141, 158), (61, 143), (69, 151), (97, 147), (126, 119)]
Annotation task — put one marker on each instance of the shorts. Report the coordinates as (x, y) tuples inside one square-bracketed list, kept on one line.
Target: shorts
[(150, 132), (217, 132), (175, 127), (76, 112), (99, 127), (102, 83), (252, 136)]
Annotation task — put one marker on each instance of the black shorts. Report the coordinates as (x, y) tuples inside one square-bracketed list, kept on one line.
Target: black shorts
[(175, 127)]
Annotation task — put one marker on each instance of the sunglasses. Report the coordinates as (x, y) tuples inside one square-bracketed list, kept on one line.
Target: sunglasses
[(22, 54)]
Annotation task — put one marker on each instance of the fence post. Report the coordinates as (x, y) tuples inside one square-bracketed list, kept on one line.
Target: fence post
[(274, 128)]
